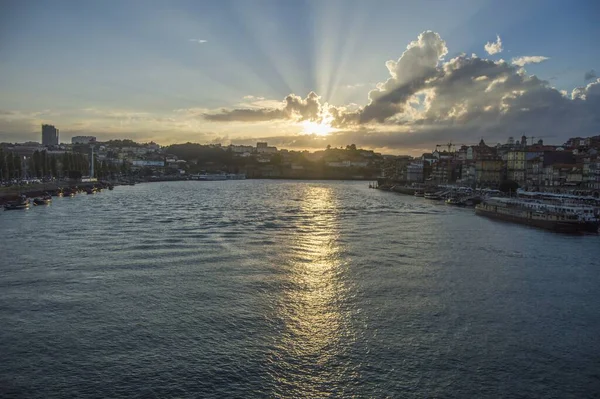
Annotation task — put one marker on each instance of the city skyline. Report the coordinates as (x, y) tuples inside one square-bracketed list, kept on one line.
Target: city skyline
[(397, 78)]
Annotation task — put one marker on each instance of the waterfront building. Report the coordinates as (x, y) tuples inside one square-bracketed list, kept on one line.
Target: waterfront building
[(489, 171), (515, 165), (468, 173), (414, 172), (49, 135)]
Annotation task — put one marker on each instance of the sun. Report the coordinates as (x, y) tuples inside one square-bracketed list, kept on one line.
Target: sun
[(319, 129)]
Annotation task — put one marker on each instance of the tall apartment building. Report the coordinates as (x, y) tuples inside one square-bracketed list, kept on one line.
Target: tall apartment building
[(49, 135)]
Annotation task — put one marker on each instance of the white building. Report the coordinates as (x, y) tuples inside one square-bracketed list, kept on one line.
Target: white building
[(241, 149)]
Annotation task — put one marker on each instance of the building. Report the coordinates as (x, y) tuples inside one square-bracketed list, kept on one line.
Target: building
[(83, 140), (515, 165), (266, 150), (489, 171), (241, 149), (143, 162), (414, 172), (49, 135)]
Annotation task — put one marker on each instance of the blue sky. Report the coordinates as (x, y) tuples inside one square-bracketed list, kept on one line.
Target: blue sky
[(137, 59)]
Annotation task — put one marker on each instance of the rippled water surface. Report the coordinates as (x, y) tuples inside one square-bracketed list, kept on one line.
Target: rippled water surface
[(291, 289)]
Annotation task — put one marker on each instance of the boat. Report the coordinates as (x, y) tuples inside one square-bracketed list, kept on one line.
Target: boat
[(541, 216), (21, 203), (419, 193), (41, 201), (433, 196), (455, 201)]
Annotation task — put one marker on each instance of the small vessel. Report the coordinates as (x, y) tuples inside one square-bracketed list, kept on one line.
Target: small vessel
[(419, 193), (45, 199), (21, 203), (455, 201), (433, 196)]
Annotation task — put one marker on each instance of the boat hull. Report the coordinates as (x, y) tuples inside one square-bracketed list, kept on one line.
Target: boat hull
[(14, 207), (558, 226)]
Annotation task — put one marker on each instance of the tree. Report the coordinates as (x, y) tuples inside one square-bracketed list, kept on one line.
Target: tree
[(45, 165), (17, 169), (276, 159), (3, 166), (53, 167), (8, 168), (66, 163)]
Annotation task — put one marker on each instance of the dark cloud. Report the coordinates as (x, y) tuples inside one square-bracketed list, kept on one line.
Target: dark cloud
[(589, 75), (294, 107)]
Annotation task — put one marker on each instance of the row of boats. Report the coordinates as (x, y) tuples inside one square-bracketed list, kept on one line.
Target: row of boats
[(557, 212), (23, 202)]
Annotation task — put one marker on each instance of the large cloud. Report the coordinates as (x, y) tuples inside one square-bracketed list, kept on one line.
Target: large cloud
[(463, 99), (408, 75)]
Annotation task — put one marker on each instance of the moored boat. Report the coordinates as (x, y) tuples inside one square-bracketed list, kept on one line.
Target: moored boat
[(433, 196), (41, 201), (455, 201), (543, 217), (21, 203), (419, 193)]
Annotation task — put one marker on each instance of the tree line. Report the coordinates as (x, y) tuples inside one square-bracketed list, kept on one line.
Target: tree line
[(43, 165)]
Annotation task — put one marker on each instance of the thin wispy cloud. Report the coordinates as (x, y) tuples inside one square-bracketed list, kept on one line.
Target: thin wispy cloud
[(494, 47), (528, 59), (354, 86), (199, 41)]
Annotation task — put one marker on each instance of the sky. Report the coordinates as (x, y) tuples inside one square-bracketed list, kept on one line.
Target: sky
[(394, 76)]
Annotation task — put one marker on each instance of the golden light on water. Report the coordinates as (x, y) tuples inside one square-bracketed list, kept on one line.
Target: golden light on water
[(316, 330)]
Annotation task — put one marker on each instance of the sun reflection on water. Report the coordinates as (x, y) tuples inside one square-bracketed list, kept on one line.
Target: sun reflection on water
[(316, 332)]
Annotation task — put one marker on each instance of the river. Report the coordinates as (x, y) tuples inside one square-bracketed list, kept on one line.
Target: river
[(291, 289)]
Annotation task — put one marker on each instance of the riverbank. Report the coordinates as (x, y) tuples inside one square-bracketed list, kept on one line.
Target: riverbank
[(8, 194)]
